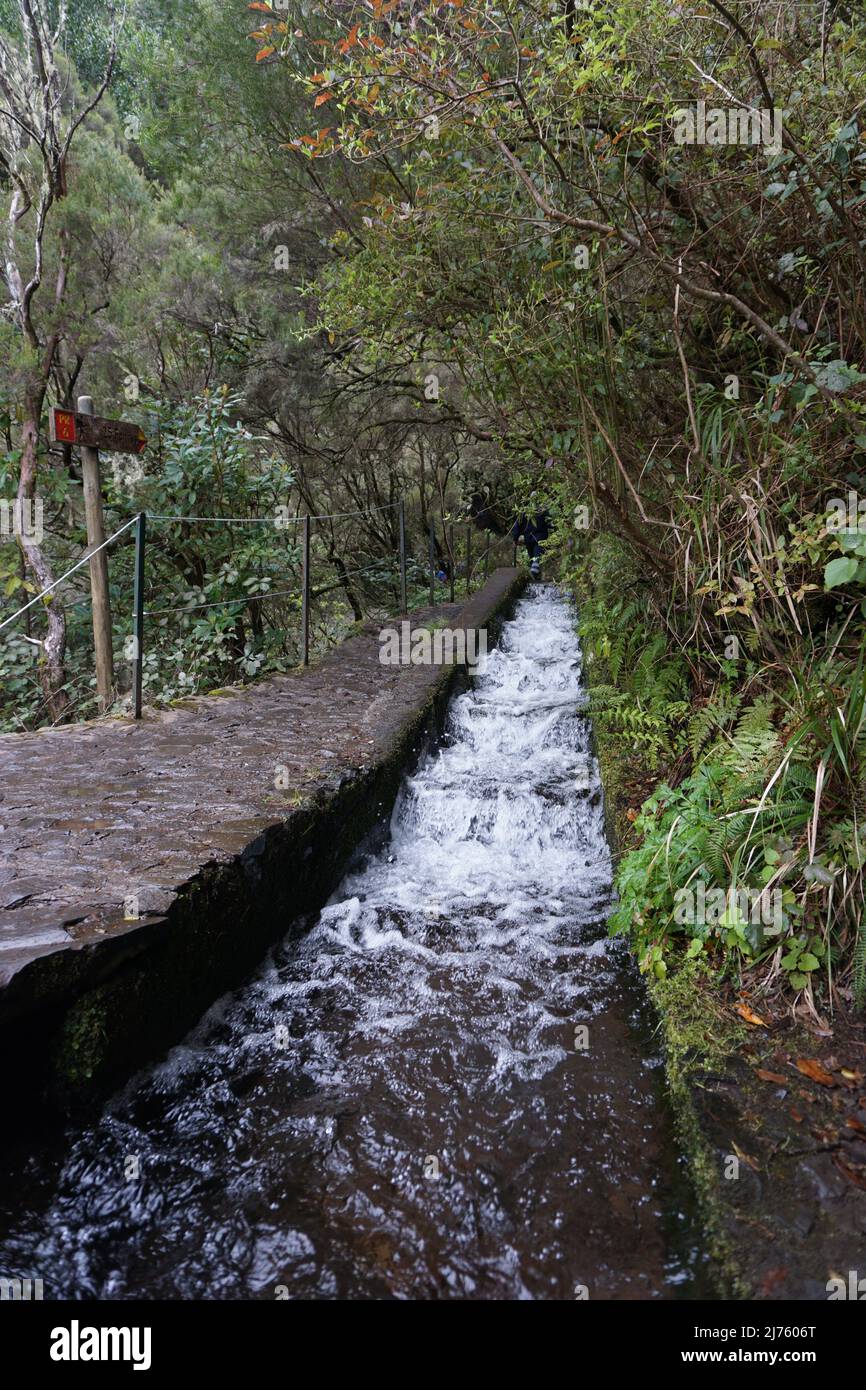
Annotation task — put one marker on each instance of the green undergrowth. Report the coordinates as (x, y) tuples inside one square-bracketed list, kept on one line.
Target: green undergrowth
[(734, 790), (698, 1033), (699, 1036)]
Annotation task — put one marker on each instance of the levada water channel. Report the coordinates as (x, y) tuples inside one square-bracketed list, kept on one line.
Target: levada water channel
[(446, 1088)]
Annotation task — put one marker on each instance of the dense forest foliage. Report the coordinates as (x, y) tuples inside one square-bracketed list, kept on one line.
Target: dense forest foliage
[(605, 257), (188, 246)]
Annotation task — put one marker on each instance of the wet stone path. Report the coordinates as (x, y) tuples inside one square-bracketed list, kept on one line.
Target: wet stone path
[(92, 815)]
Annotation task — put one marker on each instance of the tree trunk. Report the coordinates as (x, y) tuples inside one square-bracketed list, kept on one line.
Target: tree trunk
[(52, 666)]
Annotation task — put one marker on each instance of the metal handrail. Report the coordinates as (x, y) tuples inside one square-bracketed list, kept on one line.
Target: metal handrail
[(83, 561)]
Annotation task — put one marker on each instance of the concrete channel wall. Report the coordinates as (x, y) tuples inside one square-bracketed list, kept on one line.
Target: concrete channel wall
[(93, 815)]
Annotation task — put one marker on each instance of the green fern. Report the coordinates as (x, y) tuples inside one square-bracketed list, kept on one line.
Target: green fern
[(747, 828), (713, 716), (860, 964), (798, 777), (755, 739)]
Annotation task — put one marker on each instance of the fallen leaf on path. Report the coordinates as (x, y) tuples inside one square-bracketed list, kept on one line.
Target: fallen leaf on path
[(750, 1016), (815, 1072), (855, 1175), (855, 1077), (853, 1123), (771, 1076), (744, 1157), (826, 1136), (771, 1281)]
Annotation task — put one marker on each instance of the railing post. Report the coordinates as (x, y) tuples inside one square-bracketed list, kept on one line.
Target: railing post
[(451, 564), (305, 606), (514, 556), (487, 559), (403, 601), (432, 549), (468, 554), (138, 614)]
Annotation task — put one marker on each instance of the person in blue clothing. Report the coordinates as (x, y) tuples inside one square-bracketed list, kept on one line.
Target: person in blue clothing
[(534, 529)]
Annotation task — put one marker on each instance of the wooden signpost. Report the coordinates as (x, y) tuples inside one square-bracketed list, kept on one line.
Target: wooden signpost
[(82, 427), (92, 433)]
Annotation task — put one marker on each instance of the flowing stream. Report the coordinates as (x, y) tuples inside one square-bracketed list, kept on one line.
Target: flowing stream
[(444, 1089)]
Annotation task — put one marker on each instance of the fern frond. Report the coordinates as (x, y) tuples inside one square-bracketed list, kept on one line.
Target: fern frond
[(717, 714), (860, 964)]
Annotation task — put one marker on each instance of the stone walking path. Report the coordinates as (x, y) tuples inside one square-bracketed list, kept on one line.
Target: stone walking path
[(94, 815)]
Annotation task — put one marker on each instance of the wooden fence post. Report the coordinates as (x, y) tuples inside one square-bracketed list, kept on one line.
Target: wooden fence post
[(99, 597), (432, 549), (468, 554)]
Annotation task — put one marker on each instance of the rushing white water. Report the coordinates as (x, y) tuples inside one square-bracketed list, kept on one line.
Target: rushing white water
[(401, 1103)]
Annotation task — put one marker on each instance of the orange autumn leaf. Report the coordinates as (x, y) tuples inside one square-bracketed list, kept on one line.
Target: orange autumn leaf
[(771, 1076), (322, 98), (772, 1280), (265, 52), (744, 1157), (856, 1174), (815, 1072), (257, 5), (750, 1016)]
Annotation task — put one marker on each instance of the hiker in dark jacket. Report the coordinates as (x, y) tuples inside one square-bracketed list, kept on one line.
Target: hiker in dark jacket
[(534, 528)]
